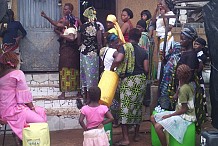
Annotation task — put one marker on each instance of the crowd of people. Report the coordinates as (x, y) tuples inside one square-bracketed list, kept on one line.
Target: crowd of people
[(87, 49)]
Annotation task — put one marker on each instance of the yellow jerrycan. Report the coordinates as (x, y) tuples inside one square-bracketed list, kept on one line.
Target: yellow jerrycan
[(108, 85), (36, 134)]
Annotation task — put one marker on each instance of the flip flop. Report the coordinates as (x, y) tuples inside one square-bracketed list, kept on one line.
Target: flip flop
[(120, 143)]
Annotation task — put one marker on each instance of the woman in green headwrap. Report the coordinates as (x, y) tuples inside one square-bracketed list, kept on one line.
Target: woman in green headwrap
[(90, 41)]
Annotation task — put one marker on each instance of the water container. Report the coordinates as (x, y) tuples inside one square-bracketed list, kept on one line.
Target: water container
[(108, 85)]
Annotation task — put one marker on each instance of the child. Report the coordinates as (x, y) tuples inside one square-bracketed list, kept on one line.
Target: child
[(199, 46), (176, 122), (94, 134)]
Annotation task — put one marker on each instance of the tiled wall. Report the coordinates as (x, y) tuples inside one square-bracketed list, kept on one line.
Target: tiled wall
[(62, 114)]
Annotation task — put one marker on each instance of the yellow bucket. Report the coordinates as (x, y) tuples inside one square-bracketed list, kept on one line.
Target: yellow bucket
[(108, 85)]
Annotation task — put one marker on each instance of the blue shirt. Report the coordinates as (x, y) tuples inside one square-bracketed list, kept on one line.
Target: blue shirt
[(12, 32)]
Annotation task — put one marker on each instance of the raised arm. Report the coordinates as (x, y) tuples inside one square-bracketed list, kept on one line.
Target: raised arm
[(53, 22)]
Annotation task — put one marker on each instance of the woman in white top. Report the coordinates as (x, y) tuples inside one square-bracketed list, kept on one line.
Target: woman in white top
[(110, 52)]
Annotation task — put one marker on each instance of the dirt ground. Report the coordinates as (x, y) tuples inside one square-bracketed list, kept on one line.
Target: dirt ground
[(74, 137)]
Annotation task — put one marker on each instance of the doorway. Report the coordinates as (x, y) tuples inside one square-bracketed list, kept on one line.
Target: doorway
[(103, 8)]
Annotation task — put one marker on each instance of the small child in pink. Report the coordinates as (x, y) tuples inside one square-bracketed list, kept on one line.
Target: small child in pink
[(94, 133)]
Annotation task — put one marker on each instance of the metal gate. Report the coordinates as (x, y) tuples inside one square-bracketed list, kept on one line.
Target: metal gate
[(39, 49)]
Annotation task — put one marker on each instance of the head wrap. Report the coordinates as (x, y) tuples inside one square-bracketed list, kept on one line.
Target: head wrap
[(190, 32), (90, 13), (113, 19), (143, 24), (112, 37), (201, 41)]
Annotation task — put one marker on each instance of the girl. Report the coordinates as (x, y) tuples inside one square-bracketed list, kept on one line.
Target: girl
[(176, 122), (94, 134)]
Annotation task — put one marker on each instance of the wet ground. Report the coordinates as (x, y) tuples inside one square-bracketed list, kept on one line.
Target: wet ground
[(74, 137)]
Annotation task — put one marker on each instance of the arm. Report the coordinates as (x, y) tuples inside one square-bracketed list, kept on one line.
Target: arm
[(99, 39), (145, 63), (23, 31), (55, 23), (30, 105), (117, 61), (124, 27), (81, 122), (183, 110), (79, 42), (109, 117)]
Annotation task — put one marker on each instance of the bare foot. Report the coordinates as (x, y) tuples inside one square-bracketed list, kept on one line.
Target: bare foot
[(137, 138), (62, 96)]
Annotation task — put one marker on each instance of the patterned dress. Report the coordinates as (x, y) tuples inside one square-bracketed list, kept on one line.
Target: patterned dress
[(89, 59), (132, 84)]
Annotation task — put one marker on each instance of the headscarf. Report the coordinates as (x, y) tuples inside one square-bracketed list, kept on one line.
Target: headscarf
[(190, 32), (143, 24), (201, 41), (90, 13), (113, 19), (111, 37)]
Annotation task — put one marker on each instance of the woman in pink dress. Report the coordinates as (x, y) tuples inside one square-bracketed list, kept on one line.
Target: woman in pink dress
[(16, 107)]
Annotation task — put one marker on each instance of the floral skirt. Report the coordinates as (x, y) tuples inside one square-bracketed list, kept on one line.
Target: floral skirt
[(175, 125), (89, 70), (132, 92)]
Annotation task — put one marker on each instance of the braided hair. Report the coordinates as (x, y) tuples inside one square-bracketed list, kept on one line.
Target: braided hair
[(184, 73), (8, 60)]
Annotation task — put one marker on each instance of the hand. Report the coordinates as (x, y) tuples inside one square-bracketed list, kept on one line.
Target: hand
[(166, 116), (100, 126), (17, 40), (43, 14)]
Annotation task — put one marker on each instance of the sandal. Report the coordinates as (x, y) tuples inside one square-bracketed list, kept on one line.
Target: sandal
[(120, 143)]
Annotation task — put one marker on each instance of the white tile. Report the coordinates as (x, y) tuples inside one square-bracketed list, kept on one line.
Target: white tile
[(53, 123)]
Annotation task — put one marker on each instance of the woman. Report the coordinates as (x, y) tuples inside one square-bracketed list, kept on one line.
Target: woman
[(131, 64), (164, 8), (11, 35), (110, 52), (126, 15), (16, 107), (90, 41), (146, 16), (69, 54), (113, 27), (189, 57)]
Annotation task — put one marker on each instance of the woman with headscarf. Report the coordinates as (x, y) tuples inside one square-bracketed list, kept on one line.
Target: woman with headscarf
[(131, 64), (189, 57), (126, 15), (90, 41), (113, 27), (16, 107)]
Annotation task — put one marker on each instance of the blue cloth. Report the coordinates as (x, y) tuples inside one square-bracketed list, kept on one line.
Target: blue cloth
[(12, 32)]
